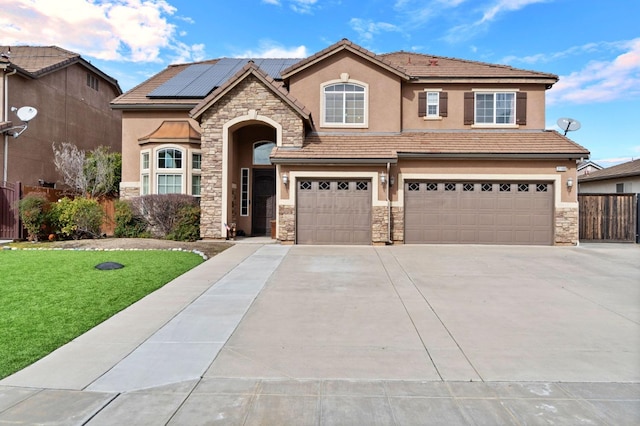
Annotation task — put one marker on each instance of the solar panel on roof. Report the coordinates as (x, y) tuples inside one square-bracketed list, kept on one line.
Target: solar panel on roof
[(198, 80)]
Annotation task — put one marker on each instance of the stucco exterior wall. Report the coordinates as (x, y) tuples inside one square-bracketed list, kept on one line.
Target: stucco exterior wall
[(68, 111), (455, 117), (384, 114)]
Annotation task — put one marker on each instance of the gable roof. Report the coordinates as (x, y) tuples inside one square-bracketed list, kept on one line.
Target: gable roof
[(349, 46), (419, 65), (37, 61), (629, 169), (251, 69), (355, 148)]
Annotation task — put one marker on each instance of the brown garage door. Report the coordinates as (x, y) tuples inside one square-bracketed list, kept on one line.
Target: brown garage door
[(479, 212), (333, 212)]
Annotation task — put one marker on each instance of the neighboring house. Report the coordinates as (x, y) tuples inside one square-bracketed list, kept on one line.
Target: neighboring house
[(350, 147), (72, 99), (587, 167), (623, 178)]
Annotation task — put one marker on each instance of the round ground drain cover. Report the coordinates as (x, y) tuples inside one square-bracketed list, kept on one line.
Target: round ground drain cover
[(106, 266)]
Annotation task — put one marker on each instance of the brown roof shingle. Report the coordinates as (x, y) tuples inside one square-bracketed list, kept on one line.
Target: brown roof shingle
[(477, 144), (631, 168)]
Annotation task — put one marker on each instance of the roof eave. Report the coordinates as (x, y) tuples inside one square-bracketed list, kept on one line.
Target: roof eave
[(285, 75), (492, 155), (330, 161), (482, 80), (144, 107)]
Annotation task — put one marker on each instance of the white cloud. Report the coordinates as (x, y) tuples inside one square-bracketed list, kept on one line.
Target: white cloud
[(602, 81), (273, 2), (571, 51), (489, 13), (366, 29), (270, 49), (126, 30)]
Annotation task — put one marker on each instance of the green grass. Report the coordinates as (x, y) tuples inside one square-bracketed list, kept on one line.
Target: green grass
[(49, 297)]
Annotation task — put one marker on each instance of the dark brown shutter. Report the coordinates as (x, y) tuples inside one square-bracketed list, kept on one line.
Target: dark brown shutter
[(469, 100), (521, 108), (422, 104), (444, 104)]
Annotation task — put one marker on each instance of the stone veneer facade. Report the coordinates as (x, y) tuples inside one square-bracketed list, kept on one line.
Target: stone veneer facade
[(249, 98), (566, 220)]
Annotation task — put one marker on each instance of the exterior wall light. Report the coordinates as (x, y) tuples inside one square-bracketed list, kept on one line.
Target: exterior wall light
[(383, 178), (285, 179), (569, 183)]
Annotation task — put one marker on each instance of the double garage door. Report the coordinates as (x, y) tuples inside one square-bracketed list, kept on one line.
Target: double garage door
[(479, 212), (333, 212)]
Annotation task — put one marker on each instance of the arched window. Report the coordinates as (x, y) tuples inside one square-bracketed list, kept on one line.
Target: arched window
[(261, 151), (344, 104)]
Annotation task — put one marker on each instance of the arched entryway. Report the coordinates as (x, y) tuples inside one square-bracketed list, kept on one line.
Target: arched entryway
[(251, 178)]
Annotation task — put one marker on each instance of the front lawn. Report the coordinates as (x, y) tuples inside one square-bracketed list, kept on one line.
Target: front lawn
[(49, 297)]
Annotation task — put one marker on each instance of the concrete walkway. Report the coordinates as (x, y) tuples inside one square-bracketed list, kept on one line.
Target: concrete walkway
[(270, 334)]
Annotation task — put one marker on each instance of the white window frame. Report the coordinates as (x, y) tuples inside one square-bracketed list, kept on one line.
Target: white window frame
[(145, 172), (365, 118), (435, 93), (494, 92), (167, 171), (244, 191), (195, 172)]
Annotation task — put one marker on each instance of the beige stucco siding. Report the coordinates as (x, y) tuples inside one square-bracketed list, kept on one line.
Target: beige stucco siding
[(455, 117), (136, 125), (631, 185), (384, 106)]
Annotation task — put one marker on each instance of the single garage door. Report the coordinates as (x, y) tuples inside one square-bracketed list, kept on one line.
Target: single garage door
[(333, 212), (479, 212)]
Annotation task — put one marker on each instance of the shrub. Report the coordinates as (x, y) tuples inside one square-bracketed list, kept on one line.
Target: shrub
[(33, 213), (77, 218), (187, 225), (128, 223), (162, 211)]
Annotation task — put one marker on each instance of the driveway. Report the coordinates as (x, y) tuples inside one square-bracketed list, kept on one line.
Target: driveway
[(399, 335), (454, 313)]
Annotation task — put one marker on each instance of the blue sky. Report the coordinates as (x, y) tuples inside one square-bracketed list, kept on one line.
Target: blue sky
[(593, 45)]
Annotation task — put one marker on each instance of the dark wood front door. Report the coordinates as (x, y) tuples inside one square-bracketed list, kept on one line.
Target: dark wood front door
[(264, 201)]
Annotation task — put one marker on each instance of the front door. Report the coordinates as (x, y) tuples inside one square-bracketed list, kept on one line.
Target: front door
[(264, 201)]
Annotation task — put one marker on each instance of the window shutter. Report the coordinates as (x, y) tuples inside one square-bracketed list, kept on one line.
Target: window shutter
[(521, 108), (444, 103), (422, 104), (469, 100)]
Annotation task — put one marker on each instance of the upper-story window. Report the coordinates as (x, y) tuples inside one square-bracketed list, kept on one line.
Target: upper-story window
[(344, 104), (92, 81), (433, 103), (495, 107)]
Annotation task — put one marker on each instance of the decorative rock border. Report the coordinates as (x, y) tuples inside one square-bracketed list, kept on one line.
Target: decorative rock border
[(198, 252)]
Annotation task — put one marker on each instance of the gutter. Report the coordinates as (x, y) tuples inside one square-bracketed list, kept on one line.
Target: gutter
[(5, 89)]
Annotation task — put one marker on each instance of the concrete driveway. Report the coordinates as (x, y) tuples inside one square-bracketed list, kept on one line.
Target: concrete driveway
[(400, 335), (453, 313)]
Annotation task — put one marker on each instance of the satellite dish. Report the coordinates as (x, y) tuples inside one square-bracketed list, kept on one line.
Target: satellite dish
[(568, 124), (26, 113)]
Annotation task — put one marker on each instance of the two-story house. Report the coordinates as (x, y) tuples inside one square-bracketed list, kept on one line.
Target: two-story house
[(72, 99), (350, 147)]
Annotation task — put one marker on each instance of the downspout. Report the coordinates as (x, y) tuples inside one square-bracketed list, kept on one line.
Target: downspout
[(5, 89), (389, 242)]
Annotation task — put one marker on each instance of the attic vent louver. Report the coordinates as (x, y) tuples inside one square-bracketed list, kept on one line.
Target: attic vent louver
[(433, 62)]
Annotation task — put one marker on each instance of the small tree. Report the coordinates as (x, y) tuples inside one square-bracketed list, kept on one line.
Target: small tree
[(33, 213), (93, 175)]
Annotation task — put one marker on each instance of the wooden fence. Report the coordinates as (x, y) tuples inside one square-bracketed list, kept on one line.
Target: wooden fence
[(608, 217), (10, 193), (10, 228)]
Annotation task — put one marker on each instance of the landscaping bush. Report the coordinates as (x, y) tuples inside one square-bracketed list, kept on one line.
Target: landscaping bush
[(162, 211), (77, 218), (187, 225), (128, 223), (33, 213)]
